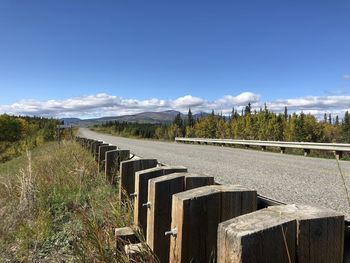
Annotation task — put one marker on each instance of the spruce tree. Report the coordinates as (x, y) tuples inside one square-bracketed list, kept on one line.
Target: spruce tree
[(247, 109), (190, 119), (346, 127), (285, 112)]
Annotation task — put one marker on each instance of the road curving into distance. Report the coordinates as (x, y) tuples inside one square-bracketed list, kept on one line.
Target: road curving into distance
[(287, 178)]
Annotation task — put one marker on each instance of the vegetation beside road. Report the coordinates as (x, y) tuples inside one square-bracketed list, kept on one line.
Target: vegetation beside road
[(56, 207), (19, 134), (249, 125)]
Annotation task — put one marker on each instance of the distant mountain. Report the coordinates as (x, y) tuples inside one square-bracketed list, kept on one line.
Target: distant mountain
[(144, 117)]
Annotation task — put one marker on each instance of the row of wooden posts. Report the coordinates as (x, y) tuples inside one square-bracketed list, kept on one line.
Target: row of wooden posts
[(187, 217)]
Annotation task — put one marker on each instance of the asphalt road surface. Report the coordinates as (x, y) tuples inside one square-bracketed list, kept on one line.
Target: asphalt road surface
[(287, 178)]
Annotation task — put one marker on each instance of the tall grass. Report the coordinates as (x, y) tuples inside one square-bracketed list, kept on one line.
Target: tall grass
[(56, 207)]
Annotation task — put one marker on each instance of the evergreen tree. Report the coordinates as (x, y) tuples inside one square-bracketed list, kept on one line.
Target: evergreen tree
[(329, 118), (285, 112), (233, 112), (178, 120), (247, 109), (346, 127), (190, 119)]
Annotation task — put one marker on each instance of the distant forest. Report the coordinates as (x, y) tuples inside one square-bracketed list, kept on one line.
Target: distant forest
[(18, 134), (249, 124)]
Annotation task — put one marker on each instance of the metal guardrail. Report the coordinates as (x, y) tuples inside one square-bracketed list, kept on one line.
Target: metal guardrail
[(338, 148)]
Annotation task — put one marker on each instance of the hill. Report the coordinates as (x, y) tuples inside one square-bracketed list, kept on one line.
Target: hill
[(143, 117)]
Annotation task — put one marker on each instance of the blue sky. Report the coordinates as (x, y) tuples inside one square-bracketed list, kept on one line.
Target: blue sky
[(59, 53)]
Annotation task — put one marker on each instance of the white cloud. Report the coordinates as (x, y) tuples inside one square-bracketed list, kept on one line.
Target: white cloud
[(103, 104), (346, 77)]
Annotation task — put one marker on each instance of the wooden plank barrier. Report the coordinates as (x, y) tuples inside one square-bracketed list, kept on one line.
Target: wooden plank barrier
[(141, 191), (127, 175), (209, 222), (112, 161), (124, 236), (89, 144), (102, 156), (320, 232), (93, 147), (262, 236), (287, 233), (160, 192), (195, 217), (97, 153)]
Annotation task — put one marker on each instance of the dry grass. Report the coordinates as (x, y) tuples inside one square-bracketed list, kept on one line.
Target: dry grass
[(56, 207)]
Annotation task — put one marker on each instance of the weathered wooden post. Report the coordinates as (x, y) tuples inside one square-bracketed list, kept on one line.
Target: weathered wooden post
[(141, 191), (95, 148), (97, 152), (262, 236), (124, 236), (282, 150), (127, 175), (286, 233), (160, 192), (319, 233), (88, 144), (307, 152), (102, 156), (92, 145), (112, 162), (338, 155), (195, 217)]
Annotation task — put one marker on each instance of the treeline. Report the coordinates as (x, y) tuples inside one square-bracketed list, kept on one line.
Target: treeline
[(249, 124), (18, 134), (128, 129)]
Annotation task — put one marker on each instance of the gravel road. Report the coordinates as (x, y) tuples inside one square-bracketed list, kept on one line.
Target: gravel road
[(288, 178)]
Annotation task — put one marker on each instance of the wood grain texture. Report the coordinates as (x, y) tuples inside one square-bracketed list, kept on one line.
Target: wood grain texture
[(113, 159), (127, 175), (196, 214), (320, 232), (102, 155), (258, 237), (141, 190)]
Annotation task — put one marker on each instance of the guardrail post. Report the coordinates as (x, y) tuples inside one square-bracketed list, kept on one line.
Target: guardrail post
[(141, 191), (127, 175), (124, 236), (113, 159), (195, 217), (95, 148), (102, 156), (286, 233), (261, 236), (282, 149), (97, 153), (92, 145), (160, 192), (319, 233), (306, 152), (338, 155)]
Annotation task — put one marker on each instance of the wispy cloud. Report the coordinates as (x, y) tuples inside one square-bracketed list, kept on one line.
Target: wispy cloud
[(346, 76), (108, 105)]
